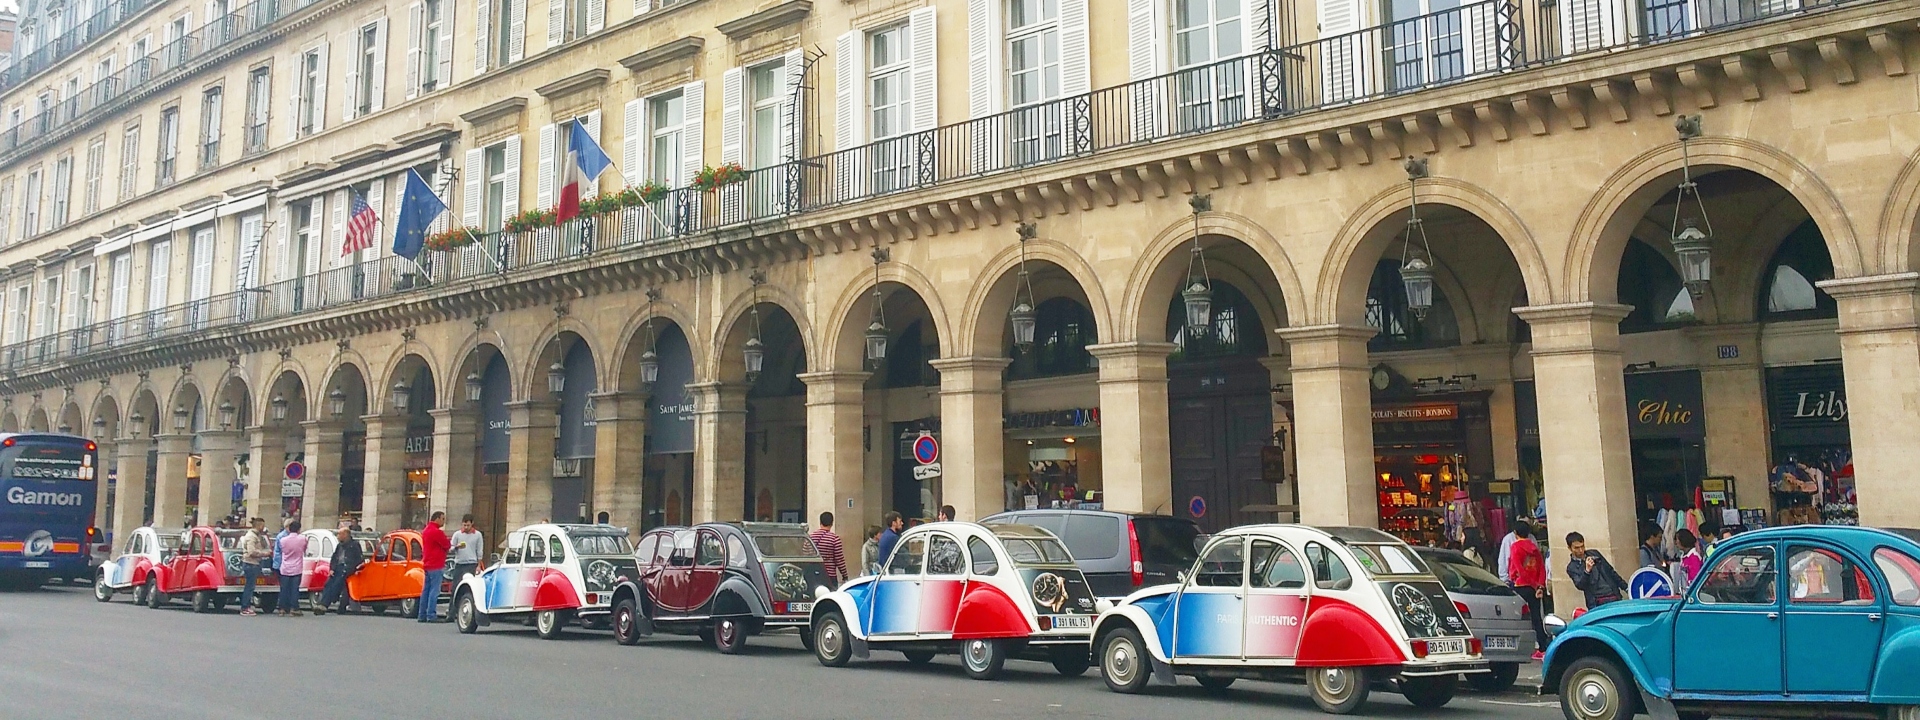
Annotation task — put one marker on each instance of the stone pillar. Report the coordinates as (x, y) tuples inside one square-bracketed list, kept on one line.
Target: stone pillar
[(1734, 393), (972, 435), (325, 444), (1585, 454), (530, 462), (454, 464), (1333, 424), (836, 454), (1880, 352), (383, 487), (130, 488), (266, 463), (1279, 372), (217, 451), (1136, 464), (104, 457), (619, 449), (170, 480), (719, 451)]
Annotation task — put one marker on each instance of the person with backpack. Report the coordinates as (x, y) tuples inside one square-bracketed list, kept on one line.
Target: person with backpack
[(1527, 568)]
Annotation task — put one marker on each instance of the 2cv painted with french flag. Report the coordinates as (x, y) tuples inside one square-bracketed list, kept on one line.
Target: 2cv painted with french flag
[(1350, 609), (986, 592), (558, 574), (146, 548)]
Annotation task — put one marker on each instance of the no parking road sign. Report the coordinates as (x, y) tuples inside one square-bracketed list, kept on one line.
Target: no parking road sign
[(926, 450)]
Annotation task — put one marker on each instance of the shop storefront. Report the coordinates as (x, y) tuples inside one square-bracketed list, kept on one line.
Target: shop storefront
[(1812, 476), (574, 447), (353, 475), (418, 463), (1053, 459), (1433, 465), (667, 491)]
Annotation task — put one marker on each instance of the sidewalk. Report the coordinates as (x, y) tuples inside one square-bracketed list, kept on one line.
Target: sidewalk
[(1529, 680)]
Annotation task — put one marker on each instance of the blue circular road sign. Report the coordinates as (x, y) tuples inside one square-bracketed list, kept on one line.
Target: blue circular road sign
[(1649, 582), (926, 450)]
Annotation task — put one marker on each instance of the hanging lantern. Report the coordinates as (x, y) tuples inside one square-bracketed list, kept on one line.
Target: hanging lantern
[(1198, 295), (139, 423), (337, 402), (1417, 276), (1024, 322), (1695, 253), (1022, 316), (226, 414), (755, 356), (279, 407), (473, 387), (99, 427), (556, 378), (402, 396), (1692, 243), (1416, 269), (649, 368), (66, 428), (1199, 301), (877, 341), (180, 416)]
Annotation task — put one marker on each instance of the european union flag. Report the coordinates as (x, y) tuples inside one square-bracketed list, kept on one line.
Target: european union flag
[(418, 208)]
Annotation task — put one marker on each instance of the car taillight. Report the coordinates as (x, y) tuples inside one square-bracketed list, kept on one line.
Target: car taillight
[(593, 598), (1139, 569), (1419, 648), (1046, 623), (779, 607), (1462, 607), (1473, 646)]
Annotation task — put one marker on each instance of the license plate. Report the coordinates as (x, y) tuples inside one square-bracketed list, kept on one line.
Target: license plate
[(38, 564), (1453, 646), (1073, 622), (1502, 642), (805, 607)]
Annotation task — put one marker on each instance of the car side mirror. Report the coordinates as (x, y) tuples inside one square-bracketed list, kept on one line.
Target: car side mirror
[(1180, 576)]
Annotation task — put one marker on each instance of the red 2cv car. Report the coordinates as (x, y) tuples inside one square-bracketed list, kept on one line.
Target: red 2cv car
[(205, 566)]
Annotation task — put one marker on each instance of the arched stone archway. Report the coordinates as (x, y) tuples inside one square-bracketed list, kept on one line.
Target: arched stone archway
[(402, 446), (279, 440), (754, 417)]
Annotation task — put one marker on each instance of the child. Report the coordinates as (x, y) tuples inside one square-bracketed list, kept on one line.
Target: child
[(1690, 560)]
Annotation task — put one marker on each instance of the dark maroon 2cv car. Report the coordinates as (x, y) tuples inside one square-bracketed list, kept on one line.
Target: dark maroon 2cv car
[(721, 581)]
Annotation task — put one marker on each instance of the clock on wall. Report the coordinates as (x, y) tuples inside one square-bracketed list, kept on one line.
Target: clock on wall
[(1381, 378)]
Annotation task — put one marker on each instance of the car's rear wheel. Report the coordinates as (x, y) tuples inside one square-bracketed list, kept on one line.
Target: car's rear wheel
[(1595, 688), (832, 644), (140, 593), (101, 590), (202, 601), (1124, 662), (1430, 692), (1497, 678), (1215, 683), (1072, 660), (466, 617), (155, 598), (729, 635), (410, 607), (983, 659), (1338, 690), (550, 623), (626, 622), (918, 657)]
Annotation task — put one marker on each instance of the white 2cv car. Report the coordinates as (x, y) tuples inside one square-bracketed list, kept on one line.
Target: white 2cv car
[(557, 574), (146, 547), (1348, 608)]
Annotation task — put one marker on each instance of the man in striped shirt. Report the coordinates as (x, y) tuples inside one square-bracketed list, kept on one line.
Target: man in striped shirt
[(830, 549)]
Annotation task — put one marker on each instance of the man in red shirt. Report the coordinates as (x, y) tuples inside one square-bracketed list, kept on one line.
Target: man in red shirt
[(828, 543), (1527, 569), (433, 559)]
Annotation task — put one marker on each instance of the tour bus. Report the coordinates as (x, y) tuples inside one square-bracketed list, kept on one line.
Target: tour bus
[(47, 485)]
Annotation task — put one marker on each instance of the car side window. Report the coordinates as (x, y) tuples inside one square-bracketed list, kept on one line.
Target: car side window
[(943, 556), (136, 544), (1223, 564), (908, 556), (413, 550), (516, 548), (643, 553), (556, 549), (736, 552), (1743, 577), (1820, 576), (1274, 566), (712, 553), (683, 541), (397, 550), (1903, 575), (536, 549), (1329, 571), (984, 561)]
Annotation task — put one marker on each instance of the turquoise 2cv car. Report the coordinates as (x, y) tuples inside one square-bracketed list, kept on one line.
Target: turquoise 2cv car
[(1809, 621)]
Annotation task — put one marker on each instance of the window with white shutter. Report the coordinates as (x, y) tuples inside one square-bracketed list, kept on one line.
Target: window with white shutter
[(200, 283), (81, 309), (517, 31), (693, 139), (117, 297), (129, 161), (30, 204), (416, 38), (483, 35), (666, 115), (926, 77), (1588, 25), (6, 211), (472, 179), (1347, 56), (849, 102), (632, 140), (544, 179), (50, 296), (330, 255), (890, 105), (159, 276), (17, 326), (733, 102), (90, 185), (252, 230), (436, 67)]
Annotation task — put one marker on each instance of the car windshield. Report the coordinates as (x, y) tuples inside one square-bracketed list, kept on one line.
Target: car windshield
[(1166, 541), (1461, 576), (169, 541), (602, 545), (1385, 559), (785, 546), (1036, 551)]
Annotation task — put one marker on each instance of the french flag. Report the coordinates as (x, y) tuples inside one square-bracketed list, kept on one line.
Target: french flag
[(585, 162)]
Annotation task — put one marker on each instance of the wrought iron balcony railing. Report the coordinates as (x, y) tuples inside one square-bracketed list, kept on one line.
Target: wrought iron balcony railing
[(60, 48)]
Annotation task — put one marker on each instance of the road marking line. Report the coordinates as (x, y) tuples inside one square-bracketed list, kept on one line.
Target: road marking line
[(1519, 704)]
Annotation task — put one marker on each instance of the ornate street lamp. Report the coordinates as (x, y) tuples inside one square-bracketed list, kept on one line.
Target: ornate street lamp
[(1692, 238), (473, 387), (278, 407), (649, 360), (1416, 270), (66, 428), (99, 426), (226, 414), (402, 396), (1198, 295), (1022, 315), (139, 423), (337, 402), (877, 328), (556, 378), (180, 415), (754, 353)]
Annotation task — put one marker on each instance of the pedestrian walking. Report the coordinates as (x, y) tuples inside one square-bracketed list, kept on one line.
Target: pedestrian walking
[(293, 549), (1506, 548), (870, 551), (1591, 573), (347, 559), (831, 550), (1690, 560), (256, 555), (468, 543), (433, 560), (1528, 570), (891, 535)]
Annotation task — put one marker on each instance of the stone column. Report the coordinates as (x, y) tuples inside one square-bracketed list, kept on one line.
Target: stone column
[(383, 487), (719, 451), (530, 461), (836, 453), (325, 444), (104, 457), (266, 448), (1280, 372), (1136, 464), (619, 448), (1585, 454), (130, 487), (972, 435), (454, 453), (217, 451), (1734, 393), (1333, 424), (1880, 352), (170, 479)]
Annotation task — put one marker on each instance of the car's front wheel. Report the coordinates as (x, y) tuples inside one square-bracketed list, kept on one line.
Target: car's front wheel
[(626, 622), (1124, 662), (729, 635), (140, 593), (101, 590), (410, 607), (550, 623), (202, 601), (983, 659), (1497, 678), (466, 616), (155, 598), (1338, 690), (1429, 693), (832, 645), (1595, 688)]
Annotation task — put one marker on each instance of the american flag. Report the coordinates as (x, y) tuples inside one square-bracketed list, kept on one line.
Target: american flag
[(359, 226)]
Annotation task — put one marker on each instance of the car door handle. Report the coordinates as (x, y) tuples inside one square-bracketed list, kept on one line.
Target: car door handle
[(1873, 617), (1773, 616)]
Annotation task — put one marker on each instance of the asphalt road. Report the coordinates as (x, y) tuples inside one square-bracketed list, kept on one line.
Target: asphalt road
[(67, 656)]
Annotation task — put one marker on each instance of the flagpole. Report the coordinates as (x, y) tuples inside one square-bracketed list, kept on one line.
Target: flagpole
[(644, 205)]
